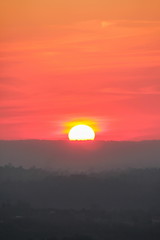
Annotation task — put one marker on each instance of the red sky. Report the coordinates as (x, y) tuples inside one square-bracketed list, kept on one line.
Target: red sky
[(66, 60)]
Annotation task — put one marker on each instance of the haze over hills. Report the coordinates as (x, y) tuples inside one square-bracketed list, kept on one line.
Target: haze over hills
[(98, 205), (80, 156)]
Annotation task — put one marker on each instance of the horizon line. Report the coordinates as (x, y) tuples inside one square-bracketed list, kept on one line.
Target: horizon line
[(79, 141)]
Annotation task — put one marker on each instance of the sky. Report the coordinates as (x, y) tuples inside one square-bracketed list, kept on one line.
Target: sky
[(66, 61)]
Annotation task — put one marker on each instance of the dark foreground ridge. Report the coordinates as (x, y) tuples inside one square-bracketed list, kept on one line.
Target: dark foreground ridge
[(40, 205), (23, 222)]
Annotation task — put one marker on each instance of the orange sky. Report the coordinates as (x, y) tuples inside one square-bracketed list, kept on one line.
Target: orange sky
[(64, 60)]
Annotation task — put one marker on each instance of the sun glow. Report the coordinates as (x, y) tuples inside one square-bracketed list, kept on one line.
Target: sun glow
[(81, 132)]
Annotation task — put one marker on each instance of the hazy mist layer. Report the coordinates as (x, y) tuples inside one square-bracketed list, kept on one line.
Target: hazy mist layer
[(80, 156)]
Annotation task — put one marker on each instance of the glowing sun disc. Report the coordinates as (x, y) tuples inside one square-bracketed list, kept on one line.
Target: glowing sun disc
[(81, 132)]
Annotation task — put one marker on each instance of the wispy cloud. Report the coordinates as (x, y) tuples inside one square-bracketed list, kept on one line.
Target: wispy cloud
[(122, 91)]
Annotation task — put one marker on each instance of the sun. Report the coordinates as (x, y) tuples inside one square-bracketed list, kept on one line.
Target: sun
[(81, 132)]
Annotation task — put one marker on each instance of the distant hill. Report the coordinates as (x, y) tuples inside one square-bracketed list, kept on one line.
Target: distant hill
[(80, 156), (134, 189)]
